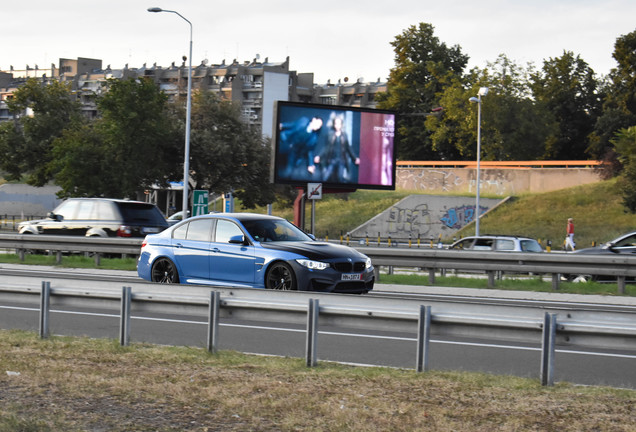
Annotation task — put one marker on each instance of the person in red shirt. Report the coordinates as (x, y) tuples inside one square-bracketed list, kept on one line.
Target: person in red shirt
[(569, 238)]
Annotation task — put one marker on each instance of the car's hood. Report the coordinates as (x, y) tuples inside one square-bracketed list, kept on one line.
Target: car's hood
[(316, 250), (34, 222)]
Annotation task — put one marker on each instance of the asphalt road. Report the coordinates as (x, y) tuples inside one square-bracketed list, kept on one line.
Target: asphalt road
[(590, 367)]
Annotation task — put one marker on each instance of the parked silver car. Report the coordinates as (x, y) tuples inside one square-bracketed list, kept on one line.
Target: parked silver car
[(499, 243)]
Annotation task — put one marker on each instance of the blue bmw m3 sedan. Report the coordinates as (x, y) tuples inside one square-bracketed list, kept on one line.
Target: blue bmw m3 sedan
[(252, 250)]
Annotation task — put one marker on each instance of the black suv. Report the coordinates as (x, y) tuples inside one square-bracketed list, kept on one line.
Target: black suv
[(100, 217)]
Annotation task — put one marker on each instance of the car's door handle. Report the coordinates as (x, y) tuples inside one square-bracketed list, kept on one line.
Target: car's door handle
[(179, 245), (215, 250)]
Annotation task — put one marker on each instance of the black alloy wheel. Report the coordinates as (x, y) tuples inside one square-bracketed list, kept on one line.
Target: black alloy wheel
[(164, 271), (281, 277)]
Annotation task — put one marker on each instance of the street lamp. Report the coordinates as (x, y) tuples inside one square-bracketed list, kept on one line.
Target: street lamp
[(186, 158), (483, 91)]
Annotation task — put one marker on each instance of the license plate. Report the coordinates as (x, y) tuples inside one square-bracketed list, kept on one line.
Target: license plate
[(152, 230), (352, 276)]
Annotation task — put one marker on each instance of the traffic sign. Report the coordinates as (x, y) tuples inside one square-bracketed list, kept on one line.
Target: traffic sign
[(314, 191), (200, 202)]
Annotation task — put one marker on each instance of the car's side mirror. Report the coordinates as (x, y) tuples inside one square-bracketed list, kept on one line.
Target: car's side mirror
[(237, 239), (55, 217)]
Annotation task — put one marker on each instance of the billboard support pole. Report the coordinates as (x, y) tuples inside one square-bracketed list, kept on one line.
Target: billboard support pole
[(299, 209), (313, 217)]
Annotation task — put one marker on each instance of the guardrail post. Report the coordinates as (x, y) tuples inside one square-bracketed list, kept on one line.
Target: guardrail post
[(620, 280), (45, 306), (556, 278), (423, 338), (21, 254), (491, 278), (213, 322), (312, 332), (58, 257), (548, 349), (98, 259), (124, 324), (431, 276)]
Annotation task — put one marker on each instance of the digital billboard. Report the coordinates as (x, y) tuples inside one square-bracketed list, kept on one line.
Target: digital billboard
[(340, 147)]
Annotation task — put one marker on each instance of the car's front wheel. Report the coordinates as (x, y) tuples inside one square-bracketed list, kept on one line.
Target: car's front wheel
[(280, 276), (164, 271)]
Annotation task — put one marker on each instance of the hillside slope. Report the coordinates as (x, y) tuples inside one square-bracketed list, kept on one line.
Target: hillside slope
[(598, 214)]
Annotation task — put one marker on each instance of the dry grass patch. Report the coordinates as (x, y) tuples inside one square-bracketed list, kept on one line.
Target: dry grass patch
[(96, 385)]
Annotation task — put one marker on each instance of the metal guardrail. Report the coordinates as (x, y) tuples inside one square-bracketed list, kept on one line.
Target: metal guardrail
[(614, 265), (95, 246), (620, 266), (572, 326)]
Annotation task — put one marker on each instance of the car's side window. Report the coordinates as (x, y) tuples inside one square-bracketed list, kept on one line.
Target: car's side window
[(85, 210), (505, 245), (225, 230), (104, 211), (67, 210), (180, 232), (199, 230), (483, 244)]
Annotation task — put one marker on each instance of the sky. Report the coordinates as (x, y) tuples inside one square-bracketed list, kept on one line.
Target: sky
[(334, 39)]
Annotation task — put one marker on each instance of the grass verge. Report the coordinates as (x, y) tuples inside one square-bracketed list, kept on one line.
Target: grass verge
[(75, 384), (71, 261)]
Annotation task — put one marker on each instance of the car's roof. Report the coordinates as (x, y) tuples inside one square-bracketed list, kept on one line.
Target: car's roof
[(116, 200), (242, 216), (495, 236)]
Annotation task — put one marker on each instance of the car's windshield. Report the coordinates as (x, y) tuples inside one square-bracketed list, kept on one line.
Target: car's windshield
[(270, 230)]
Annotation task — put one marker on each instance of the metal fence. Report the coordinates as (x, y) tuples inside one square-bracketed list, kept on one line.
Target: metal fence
[(558, 325)]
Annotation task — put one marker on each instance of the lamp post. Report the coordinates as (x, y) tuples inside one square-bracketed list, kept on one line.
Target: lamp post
[(483, 91), (186, 158)]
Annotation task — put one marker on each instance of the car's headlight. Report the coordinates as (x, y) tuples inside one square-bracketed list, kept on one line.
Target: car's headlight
[(368, 263), (312, 265)]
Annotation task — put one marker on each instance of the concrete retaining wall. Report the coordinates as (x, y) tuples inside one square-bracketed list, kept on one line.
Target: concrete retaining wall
[(501, 182)]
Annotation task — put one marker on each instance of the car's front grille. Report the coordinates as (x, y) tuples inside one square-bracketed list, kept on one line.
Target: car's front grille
[(349, 267)]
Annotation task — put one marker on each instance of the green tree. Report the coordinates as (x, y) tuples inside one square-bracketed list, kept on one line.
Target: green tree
[(82, 166), (513, 126), (568, 88), (141, 134), (134, 144), (619, 106), (424, 66), (228, 155), (625, 145), (41, 110)]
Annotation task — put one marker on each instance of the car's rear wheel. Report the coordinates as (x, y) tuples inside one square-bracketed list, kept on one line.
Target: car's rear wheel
[(280, 276), (164, 271)]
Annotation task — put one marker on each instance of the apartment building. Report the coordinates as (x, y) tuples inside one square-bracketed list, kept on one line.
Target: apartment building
[(255, 84)]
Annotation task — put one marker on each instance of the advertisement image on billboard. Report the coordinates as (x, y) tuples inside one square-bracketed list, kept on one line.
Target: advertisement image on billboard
[(340, 147)]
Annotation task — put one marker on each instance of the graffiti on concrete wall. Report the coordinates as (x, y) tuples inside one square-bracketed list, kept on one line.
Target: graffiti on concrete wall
[(402, 222), (499, 182), (458, 217), (495, 181), (429, 179), (424, 217)]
